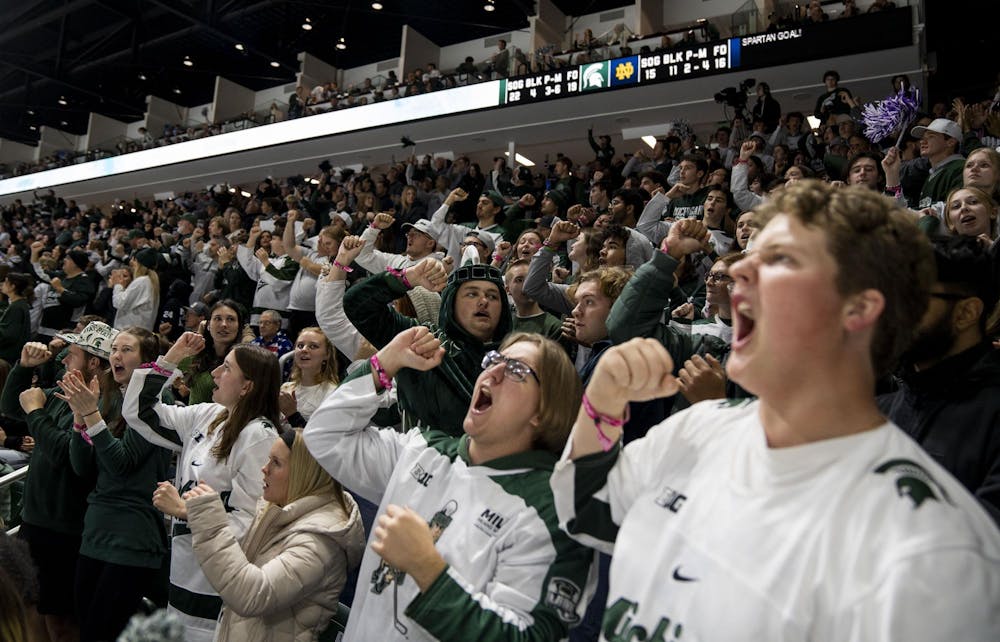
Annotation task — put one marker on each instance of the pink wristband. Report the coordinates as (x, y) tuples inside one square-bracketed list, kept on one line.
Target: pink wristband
[(383, 378), (605, 441), (82, 429), (157, 368), (345, 268), (400, 274)]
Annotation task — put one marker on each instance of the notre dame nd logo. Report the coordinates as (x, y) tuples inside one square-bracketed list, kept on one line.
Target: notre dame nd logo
[(912, 481), (624, 71)]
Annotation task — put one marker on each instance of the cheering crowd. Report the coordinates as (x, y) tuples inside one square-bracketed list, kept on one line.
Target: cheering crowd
[(746, 389)]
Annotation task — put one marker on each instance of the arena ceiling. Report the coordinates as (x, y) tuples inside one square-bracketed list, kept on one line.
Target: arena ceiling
[(62, 59)]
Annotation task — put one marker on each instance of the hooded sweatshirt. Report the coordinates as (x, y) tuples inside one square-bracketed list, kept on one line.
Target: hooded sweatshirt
[(439, 397)]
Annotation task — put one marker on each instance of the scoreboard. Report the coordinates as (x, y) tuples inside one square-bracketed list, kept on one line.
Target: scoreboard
[(868, 32), (674, 64)]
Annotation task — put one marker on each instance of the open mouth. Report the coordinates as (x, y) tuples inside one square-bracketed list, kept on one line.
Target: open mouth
[(483, 400), (482, 315), (118, 370), (743, 323), (967, 220)]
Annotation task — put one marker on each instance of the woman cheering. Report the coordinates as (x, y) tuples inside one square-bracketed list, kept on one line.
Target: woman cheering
[(282, 581), (221, 444)]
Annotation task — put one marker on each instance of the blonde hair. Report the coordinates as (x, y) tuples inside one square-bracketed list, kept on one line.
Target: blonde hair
[(306, 477), (329, 370), (984, 197), (154, 279)]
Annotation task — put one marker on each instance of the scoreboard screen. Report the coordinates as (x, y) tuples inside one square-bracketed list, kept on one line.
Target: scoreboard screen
[(868, 32)]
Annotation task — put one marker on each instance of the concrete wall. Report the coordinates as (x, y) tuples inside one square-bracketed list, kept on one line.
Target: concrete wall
[(357, 75), (648, 16), (102, 132), (160, 112), (593, 22), (230, 100), (52, 140), (262, 99), (678, 12), (11, 152), (416, 51), (313, 71), (132, 129)]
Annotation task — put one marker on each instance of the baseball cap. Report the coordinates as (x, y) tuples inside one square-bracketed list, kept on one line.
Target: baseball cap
[(941, 126), (422, 225), (495, 197), (81, 258), (95, 339), (198, 308), (485, 237)]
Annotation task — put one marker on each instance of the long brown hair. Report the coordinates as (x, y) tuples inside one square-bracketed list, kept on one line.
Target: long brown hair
[(260, 367), (111, 394)]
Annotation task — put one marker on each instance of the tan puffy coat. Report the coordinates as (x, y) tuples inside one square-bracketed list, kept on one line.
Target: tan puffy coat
[(283, 581)]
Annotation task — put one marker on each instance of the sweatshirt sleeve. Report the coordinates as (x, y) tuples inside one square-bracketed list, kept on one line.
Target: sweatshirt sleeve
[(165, 426), (347, 445), (649, 223), (369, 258), (367, 306), (332, 319), (746, 199), (138, 292), (551, 296)]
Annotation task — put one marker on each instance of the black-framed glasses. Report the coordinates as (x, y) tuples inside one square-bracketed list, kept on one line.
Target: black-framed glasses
[(513, 369)]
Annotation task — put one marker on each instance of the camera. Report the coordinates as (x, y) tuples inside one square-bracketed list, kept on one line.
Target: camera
[(736, 98)]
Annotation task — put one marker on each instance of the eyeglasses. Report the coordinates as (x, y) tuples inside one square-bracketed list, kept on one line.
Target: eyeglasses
[(514, 370), (718, 277)]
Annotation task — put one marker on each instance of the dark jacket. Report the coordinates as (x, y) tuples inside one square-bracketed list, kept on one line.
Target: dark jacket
[(953, 411), (638, 312), (15, 330), (55, 497), (439, 397)]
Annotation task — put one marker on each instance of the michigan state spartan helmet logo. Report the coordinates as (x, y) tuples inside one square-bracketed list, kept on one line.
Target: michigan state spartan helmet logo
[(913, 481)]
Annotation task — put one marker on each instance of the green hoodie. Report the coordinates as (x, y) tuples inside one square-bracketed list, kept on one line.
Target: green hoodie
[(439, 397), (54, 496)]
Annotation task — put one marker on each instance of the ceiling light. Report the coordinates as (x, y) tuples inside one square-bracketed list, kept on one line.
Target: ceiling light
[(62, 101), (307, 25), (246, 194), (63, 123), (142, 76), (188, 62), (649, 140), (341, 44), (232, 190), (177, 90), (275, 64), (33, 128), (240, 47), (377, 6), (489, 6), (521, 160), (31, 112)]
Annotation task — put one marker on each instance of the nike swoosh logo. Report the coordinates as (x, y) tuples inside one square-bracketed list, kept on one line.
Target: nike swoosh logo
[(683, 578)]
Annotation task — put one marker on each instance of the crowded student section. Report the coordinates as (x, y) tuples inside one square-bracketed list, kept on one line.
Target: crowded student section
[(711, 392)]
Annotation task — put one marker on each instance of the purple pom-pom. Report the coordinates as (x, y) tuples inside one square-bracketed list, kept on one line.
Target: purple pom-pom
[(883, 118)]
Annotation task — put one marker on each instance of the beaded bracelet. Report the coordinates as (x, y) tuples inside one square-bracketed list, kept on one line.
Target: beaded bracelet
[(345, 268), (157, 368), (80, 428), (550, 245), (606, 443), (383, 378), (400, 274)]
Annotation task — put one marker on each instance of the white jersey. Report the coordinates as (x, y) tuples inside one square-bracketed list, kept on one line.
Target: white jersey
[(238, 480), (511, 573), (719, 537)]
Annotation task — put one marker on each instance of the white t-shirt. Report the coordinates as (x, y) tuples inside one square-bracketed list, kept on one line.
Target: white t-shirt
[(719, 537)]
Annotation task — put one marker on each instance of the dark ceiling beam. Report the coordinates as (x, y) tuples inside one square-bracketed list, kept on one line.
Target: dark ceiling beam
[(26, 28), (69, 84), (104, 37), (27, 9), (206, 26)]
